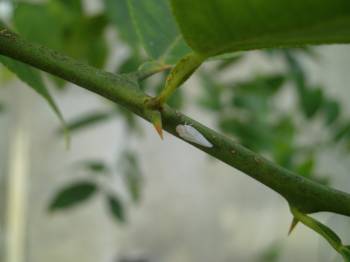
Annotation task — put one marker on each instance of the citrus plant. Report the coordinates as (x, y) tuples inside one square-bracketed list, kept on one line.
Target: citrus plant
[(173, 38)]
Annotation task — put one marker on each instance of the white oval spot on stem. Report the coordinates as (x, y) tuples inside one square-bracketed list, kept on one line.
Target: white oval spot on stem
[(191, 134)]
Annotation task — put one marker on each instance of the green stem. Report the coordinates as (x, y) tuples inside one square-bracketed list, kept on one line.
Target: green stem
[(303, 194), (179, 74), (322, 230)]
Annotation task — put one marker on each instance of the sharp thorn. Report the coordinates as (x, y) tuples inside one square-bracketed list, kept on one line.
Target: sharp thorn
[(292, 226)]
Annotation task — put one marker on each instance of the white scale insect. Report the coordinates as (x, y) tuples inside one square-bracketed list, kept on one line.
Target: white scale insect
[(191, 134)]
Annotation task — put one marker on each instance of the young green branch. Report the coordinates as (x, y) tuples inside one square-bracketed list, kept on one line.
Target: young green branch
[(303, 194)]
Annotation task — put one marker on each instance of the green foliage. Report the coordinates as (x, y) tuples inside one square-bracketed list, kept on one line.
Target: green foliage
[(157, 30), (87, 120), (118, 14), (32, 78), (328, 234), (222, 26), (95, 166), (272, 253), (72, 195), (248, 109), (116, 208), (132, 174), (66, 29)]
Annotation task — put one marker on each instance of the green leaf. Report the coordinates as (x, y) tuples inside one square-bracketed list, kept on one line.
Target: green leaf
[(342, 132), (116, 208), (272, 253), (331, 111), (95, 166), (311, 101), (131, 64), (345, 252), (65, 29), (118, 14), (215, 27), (157, 30), (28, 21), (306, 167), (32, 77), (132, 174), (75, 6), (327, 233), (72, 195), (88, 120), (210, 98)]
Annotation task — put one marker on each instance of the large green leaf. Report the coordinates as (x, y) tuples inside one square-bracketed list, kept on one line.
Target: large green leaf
[(157, 30), (214, 27)]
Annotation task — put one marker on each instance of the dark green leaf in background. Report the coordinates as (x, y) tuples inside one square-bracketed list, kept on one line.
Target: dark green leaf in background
[(95, 166), (88, 120), (311, 101), (116, 208), (72, 195), (332, 111), (132, 174)]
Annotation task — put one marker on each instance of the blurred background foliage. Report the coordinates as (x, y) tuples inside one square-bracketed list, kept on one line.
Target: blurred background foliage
[(253, 110)]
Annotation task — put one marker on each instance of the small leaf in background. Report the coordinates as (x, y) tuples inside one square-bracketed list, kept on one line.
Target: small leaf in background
[(130, 119), (296, 71), (343, 131), (116, 208), (32, 77), (264, 85), (65, 29), (28, 21), (84, 40), (272, 253), (95, 166), (229, 62), (87, 120), (211, 92), (131, 64), (2, 107), (132, 174), (118, 14), (72, 195), (157, 30), (311, 101), (306, 167), (332, 111)]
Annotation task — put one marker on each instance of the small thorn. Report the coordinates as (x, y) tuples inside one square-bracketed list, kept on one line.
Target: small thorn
[(159, 129), (156, 119), (292, 226)]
